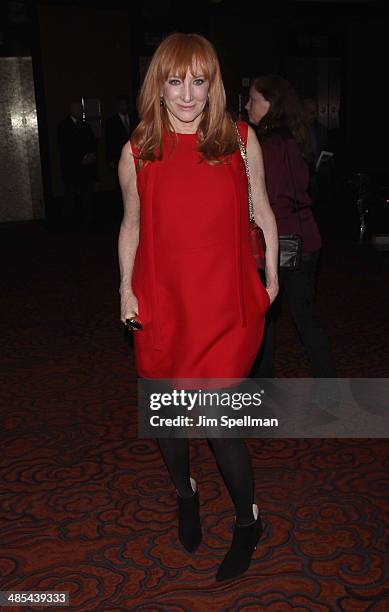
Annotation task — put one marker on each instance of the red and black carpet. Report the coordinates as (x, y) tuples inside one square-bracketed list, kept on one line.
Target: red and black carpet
[(87, 507)]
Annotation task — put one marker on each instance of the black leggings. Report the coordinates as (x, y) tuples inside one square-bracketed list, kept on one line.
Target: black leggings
[(234, 463), (299, 287)]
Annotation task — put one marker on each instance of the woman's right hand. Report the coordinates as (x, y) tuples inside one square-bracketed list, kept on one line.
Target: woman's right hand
[(128, 306), (272, 290)]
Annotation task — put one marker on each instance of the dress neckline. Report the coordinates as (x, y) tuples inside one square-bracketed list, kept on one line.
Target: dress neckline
[(182, 133)]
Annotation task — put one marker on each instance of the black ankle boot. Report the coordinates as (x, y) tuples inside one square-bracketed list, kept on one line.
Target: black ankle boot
[(189, 526), (244, 542)]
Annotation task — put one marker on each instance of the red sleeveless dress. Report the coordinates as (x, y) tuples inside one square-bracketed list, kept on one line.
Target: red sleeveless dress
[(201, 301)]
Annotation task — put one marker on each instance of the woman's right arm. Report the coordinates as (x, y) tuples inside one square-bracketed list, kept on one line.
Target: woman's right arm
[(263, 213), (129, 232)]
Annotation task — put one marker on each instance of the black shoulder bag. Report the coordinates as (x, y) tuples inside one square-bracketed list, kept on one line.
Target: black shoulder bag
[(291, 245)]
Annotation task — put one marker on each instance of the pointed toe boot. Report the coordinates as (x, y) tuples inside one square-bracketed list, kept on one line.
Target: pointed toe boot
[(189, 526), (244, 542)]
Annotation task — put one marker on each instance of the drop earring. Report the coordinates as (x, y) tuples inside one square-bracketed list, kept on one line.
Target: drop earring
[(161, 101)]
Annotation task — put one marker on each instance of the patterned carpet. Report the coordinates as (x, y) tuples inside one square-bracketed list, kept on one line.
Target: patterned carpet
[(87, 507)]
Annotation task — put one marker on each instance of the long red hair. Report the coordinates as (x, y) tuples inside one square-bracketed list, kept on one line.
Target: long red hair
[(175, 55)]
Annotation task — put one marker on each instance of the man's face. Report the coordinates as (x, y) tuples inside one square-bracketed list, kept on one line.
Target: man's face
[(310, 108), (123, 107)]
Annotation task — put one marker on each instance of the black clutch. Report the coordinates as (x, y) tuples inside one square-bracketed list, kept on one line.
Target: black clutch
[(291, 245), (290, 251)]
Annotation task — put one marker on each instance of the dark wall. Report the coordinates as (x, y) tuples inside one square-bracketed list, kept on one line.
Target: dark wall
[(246, 47), (366, 94), (94, 51), (85, 52)]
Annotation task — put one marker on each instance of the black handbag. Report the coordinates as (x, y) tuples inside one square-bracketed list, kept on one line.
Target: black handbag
[(290, 250), (291, 245)]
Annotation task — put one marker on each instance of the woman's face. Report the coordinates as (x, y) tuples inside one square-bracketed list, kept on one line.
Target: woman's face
[(185, 100), (257, 106)]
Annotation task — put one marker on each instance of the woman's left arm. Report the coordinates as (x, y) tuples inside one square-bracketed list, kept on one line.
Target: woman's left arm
[(263, 213)]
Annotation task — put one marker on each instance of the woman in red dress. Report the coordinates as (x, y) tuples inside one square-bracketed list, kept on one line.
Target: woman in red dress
[(187, 272)]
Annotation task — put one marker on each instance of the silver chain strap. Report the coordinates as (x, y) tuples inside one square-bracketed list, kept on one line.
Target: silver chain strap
[(243, 153)]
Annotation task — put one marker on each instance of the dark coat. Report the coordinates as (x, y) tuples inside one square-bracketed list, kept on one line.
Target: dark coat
[(75, 141), (116, 137)]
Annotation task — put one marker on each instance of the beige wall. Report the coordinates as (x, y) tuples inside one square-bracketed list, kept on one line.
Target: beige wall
[(85, 52)]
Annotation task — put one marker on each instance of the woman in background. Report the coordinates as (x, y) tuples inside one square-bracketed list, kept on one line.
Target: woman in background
[(276, 112)]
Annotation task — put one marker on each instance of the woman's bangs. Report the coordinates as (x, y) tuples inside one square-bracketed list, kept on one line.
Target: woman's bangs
[(192, 57)]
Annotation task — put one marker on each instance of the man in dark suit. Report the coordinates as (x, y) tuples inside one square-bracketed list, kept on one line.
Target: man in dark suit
[(78, 154), (317, 132), (118, 131)]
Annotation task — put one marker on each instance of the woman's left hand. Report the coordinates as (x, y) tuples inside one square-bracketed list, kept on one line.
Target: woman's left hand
[(273, 292)]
